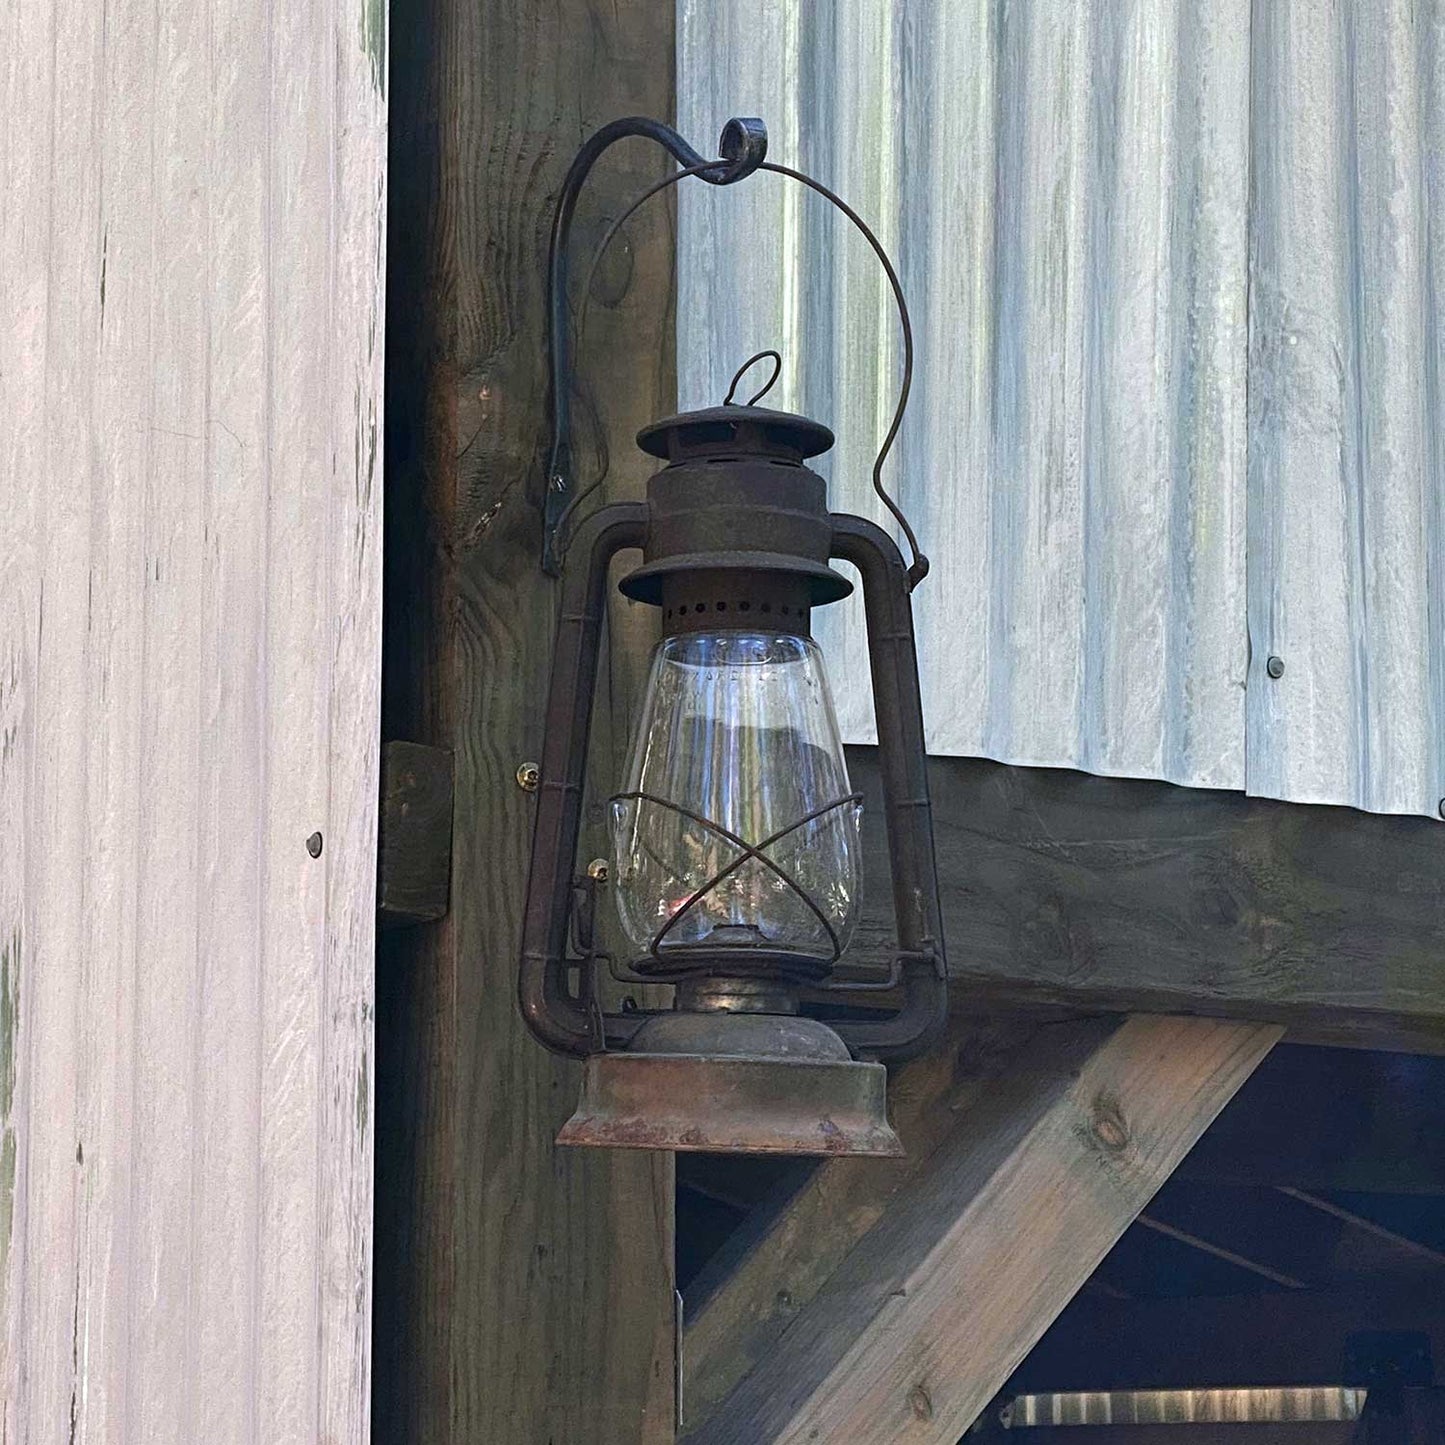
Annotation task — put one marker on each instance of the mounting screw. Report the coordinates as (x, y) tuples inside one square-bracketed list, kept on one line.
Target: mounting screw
[(1275, 667), (528, 776), (313, 845), (1441, 809), (597, 870)]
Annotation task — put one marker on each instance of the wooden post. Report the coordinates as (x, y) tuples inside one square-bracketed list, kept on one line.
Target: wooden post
[(923, 1321), (524, 1293)]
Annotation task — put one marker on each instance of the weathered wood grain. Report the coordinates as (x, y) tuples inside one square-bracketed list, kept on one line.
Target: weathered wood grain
[(191, 376), (1121, 895), (414, 846), (525, 1293), (927, 1316), (804, 1237)]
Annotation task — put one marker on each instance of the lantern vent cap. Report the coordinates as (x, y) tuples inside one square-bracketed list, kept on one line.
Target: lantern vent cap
[(725, 431)]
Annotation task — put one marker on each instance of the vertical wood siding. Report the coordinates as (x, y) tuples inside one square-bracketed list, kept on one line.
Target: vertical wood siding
[(190, 363), (1134, 487)]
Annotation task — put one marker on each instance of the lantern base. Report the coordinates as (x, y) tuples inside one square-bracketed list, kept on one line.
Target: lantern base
[(765, 1084)]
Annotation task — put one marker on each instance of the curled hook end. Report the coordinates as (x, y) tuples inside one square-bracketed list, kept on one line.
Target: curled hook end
[(918, 571), (744, 146)]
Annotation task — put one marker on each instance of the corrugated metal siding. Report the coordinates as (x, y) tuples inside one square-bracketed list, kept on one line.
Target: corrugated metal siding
[(1347, 416), (1067, 190), (1178, 1407)]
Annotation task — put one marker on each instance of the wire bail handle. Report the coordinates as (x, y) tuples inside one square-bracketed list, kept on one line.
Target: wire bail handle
[(744, 145)]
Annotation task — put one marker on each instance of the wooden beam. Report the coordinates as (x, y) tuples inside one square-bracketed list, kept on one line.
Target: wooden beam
[(1289, 1237), (191, 295), (1235, 1341), (923, 1321), (1399, 1244), (794, 1240), (1116, 894), (523, 1293), (1217, 1251)]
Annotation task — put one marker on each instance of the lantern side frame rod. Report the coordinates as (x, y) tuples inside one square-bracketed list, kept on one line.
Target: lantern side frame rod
[(743, 147), (903, 764), (561, 1021)]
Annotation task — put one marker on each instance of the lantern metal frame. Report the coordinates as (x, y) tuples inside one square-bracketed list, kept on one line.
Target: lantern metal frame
[(733, 503)]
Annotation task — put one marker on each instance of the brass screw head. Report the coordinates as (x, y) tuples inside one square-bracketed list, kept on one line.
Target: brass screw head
[(597, 870), (529, 775)]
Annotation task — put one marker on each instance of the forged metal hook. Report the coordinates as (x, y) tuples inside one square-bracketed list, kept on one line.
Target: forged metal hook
[(743, 147)]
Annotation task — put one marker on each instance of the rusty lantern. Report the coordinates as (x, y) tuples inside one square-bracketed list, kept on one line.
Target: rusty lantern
[(735, 833)]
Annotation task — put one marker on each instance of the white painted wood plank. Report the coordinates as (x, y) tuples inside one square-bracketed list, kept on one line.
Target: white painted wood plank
[(44, 1285), (119, 260), (166, 1119), (297, 690), (189, 672), (348, 1077), (232, 844)]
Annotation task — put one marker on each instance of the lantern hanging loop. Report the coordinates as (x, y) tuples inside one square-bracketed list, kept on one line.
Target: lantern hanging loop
[(747, 366), (919, 564)]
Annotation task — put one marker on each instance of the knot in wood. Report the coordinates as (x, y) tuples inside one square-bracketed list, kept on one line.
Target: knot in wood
[(1109, 1126), (920, 1403)]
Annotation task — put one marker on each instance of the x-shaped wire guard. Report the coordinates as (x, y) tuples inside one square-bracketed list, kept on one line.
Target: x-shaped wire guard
[(749, 850)]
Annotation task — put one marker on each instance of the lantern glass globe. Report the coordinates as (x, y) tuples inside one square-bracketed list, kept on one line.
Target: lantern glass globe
[(737, 747)]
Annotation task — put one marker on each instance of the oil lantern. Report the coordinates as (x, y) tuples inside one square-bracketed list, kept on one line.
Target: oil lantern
[(735, 859)]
